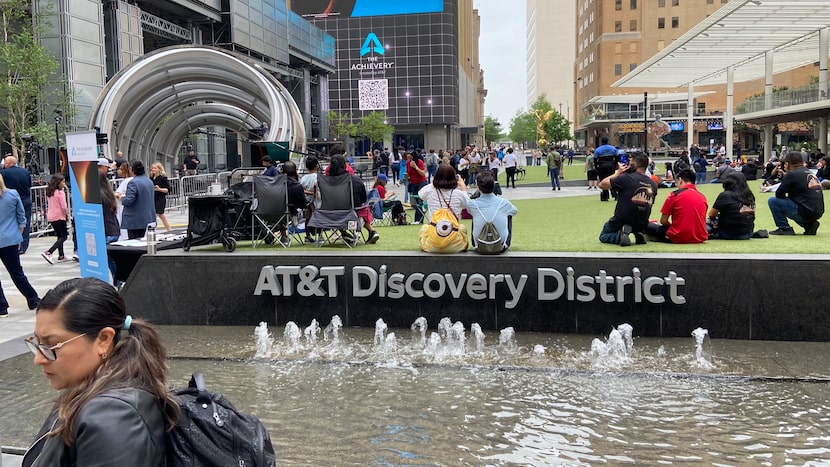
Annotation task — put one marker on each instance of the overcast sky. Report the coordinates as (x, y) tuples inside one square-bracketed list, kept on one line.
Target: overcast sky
[(503, 58)]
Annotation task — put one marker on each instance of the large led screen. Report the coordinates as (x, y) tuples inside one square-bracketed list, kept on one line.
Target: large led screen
[(364, 8)]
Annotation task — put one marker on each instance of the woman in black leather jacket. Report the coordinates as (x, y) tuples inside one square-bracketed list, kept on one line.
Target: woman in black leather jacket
[(114, 405)]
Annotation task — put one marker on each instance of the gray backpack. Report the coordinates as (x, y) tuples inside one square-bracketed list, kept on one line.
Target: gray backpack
[(488, 240)]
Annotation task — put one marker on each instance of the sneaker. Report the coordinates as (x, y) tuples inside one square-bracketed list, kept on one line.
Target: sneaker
[(640, 238), (760, 234), (4, 313), (48, 257), (811, 228), (75, 258), (373, 238), (34, 304), (285, 241), (62, 259), (625, 231), (783, 231), (310, 240)]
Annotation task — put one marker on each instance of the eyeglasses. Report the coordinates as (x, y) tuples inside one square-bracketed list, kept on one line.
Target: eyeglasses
[(48, 351)]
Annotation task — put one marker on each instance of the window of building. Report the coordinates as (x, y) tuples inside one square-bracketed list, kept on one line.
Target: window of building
[(661, 44), (591, 57), (675, 22), (618, 69), (633, 4), (701, 108), (591, 77), (661, 3), (632, 47), (675, 2), (632, 25), (709, 2), (617, 26), (618, 5), (632, 66), (661, 23)]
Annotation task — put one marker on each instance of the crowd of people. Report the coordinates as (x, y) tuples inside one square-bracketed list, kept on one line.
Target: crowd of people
[(427, 190), (685, 216)]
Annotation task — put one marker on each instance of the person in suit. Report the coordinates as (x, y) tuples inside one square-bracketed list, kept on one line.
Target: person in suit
[(139, 202), (20, 180)]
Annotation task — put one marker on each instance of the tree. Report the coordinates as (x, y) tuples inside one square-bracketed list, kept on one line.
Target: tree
[(26, 70), (523, 126), (373, 127), (492, 129), (340, 125)]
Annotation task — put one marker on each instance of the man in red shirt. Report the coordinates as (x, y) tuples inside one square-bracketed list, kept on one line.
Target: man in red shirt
[(683, 217), (417, 179)]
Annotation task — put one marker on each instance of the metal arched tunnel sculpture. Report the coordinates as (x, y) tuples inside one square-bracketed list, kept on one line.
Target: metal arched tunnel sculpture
[(165, 95)]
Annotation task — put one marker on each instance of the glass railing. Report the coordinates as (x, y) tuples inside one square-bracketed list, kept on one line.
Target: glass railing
[(782, 98), (637, 115)]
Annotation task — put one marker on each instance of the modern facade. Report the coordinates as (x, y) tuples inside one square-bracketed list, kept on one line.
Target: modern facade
[(551, 44), (616, 36), (417, 62), (94, 40)]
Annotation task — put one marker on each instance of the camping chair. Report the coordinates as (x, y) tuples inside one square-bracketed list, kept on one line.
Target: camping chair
[(382, 214), (336, 216), (270, 212)]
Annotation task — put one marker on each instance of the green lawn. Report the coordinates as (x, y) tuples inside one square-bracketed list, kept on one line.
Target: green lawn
[(572, 224)]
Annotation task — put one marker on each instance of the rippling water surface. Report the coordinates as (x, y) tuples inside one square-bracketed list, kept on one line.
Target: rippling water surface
[(363, 402)]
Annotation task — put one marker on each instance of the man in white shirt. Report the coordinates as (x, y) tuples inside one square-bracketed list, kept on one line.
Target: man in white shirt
[(510, 162)]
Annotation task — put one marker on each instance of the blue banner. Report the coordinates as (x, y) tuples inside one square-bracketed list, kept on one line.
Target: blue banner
[(87, 213)]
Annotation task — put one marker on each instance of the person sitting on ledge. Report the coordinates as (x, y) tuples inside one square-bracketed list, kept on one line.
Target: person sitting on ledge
[(798, 197), (683, 217), (491, 208), (635, 196)]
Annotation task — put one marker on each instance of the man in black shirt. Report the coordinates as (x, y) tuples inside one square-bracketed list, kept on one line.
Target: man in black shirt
[(798, 197), (635, 196), (19, 179), (190, 163)]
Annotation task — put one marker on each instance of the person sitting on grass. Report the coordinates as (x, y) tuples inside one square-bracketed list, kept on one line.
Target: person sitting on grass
[(668, 180), (683, 217), (798, 197), (491, 208), (635, 196), (732, 216)]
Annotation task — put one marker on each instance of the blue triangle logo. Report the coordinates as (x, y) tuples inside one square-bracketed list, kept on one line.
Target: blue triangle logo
[(372, 44)]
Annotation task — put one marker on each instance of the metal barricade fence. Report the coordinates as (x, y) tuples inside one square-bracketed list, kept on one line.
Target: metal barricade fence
[(40, 226)]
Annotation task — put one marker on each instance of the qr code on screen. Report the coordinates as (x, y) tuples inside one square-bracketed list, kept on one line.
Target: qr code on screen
[(373, 94)]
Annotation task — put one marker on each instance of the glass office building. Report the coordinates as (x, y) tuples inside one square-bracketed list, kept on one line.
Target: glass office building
[(405, 59)]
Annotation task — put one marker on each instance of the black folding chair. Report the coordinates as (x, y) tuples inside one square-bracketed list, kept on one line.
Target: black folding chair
[(270, 212)]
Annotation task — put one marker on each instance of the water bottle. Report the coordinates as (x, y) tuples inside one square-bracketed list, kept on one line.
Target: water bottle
[(151, 240)]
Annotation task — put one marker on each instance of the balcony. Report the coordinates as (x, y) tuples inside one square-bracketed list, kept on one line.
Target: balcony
[(782, 98)]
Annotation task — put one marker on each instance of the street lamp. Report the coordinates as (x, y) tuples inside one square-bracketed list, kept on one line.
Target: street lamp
[(58, 119), (115, 134)]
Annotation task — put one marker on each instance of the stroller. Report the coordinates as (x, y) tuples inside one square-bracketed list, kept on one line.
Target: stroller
[(224, 218)]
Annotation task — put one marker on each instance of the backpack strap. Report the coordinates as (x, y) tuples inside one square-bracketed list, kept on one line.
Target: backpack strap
[(501, 203)]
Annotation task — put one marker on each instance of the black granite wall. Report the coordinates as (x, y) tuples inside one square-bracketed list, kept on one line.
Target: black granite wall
[(740, 297)]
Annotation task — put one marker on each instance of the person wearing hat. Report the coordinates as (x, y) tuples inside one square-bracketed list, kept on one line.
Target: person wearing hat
[(270, 169), (388, 198), (103, 165)]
